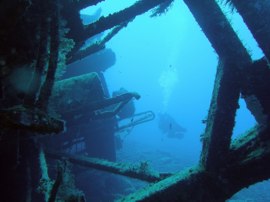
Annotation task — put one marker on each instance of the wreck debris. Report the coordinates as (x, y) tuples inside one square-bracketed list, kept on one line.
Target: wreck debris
[(57, 183), (75, 92), (46, 89), (246, 164), (30, 119), (98, 46), (120, 17), (63, 187), (42, 55), (89, 101), (162, 8), (116, 20), (233, 58), (184, 181), (141, 171), (45, 183), (219, 174), (102, 109), (244, 161), (134, 120), (110, 107)]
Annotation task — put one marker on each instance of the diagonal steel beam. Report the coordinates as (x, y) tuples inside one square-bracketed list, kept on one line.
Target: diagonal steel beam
[(233, 58), (141, 171), (120, 17)]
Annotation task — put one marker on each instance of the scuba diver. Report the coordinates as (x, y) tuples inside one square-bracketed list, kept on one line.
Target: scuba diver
[(170, 127)]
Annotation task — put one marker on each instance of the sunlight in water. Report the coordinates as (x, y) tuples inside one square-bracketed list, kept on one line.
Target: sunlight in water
[(169, 76), (167, 82)]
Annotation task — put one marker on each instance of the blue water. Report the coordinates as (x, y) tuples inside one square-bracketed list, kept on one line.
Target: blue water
[(171, 64)]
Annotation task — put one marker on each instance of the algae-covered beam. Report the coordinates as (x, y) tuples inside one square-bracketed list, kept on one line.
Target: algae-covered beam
[(220, 120), (46, 88), (140, 171), (251, 146), (218, 30), (249, 160), (56, 184), (98, 46), (190, 185), (248, 164), (42, 54), (120, 17), (233, 57), (256, 15)]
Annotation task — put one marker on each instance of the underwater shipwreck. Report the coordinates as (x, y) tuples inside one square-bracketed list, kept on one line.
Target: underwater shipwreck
[(49, 123)]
